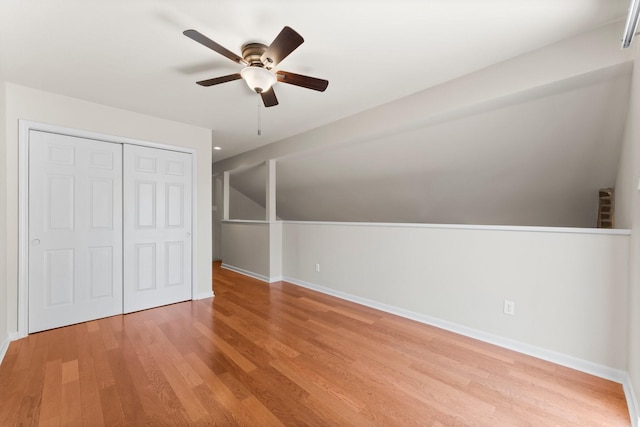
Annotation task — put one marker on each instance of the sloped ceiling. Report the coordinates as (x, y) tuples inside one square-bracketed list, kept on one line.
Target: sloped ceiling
[(538, 159)]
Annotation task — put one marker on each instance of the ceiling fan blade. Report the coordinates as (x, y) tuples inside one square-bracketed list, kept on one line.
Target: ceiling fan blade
[(302, 81), (206, 41), (269, 98), (218, 80), (285, 43)]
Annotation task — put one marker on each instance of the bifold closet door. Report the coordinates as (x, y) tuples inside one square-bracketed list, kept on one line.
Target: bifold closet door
[(157, 227), (75, 230)]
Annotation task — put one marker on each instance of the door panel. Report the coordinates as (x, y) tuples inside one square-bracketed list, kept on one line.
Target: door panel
[(101, 203), (145, 266), (157, 229), (175, 201), (101, 265), (59, 279), (75, 230), (174, 266)]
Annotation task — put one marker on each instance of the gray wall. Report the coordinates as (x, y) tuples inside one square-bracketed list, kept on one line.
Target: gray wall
[(253, 248), (216, 215), (242, 207)]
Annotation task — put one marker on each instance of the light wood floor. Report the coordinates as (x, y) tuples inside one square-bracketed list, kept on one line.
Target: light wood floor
[(260, 355)]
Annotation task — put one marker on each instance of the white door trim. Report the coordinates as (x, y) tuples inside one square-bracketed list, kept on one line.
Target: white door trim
[(25, 126)]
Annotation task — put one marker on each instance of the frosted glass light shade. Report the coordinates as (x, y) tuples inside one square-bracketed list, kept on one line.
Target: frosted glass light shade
[(258, 79)]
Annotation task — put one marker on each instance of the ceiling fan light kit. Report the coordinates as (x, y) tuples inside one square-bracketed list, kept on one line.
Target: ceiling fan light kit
[(259, 60), (258, 79)]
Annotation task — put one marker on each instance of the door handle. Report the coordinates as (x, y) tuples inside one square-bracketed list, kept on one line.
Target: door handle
[(188, 234), (35, 242)]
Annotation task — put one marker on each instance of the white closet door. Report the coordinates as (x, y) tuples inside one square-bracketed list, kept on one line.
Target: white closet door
[(75, 230), (157, 227)]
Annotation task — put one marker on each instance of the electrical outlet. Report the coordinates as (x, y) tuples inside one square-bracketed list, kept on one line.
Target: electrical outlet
[(509, 307), (317, 268)]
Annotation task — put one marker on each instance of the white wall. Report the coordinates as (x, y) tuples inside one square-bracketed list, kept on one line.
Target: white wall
[(4, 335), (570, 288), (628, 216), (31, 104)]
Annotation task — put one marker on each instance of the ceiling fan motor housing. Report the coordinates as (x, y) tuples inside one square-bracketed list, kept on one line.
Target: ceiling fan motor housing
[(252, 52), (257, 76)]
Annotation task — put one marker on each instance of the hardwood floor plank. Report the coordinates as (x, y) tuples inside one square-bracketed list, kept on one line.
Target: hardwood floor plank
[(106, 334), (217, 415), (280, 396), (263, 416), (234, 355), (128, 387), (181, 388), (322, 394), (71, 411), (50, 414), (112, 407), (157, 396), (188, 374), (31, 402), (280, 355), (223, 395), (253, 331), (91, 406), (102, 369), (12, 386), (442, 397), (70, 371), (234, 383)]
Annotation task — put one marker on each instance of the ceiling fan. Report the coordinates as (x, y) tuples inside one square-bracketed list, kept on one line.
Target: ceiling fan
[(259, 60)]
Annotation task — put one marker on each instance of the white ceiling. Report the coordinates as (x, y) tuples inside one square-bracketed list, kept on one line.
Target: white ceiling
[(131, 54)]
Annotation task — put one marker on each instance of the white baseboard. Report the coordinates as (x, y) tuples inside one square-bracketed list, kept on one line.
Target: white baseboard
[(204, 295), (245, 272), (632, 404), (4, 346), (252, 274), (598, 370)]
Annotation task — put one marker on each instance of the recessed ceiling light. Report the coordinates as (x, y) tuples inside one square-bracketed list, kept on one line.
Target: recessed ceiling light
[(217, 148)]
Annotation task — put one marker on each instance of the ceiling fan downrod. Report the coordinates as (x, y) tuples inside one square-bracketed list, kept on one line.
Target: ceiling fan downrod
[(259, 119)]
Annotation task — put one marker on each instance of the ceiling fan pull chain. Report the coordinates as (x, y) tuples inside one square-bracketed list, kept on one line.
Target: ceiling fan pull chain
[(259, 121)]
